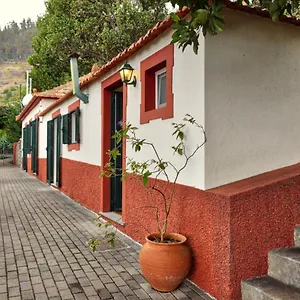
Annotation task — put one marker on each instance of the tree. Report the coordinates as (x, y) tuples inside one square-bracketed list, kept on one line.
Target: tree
[(10, 107), (97, 30), (11, 129)]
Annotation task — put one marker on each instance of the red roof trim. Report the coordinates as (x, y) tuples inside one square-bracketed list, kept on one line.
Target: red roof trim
[(158, 29), (32, 103)]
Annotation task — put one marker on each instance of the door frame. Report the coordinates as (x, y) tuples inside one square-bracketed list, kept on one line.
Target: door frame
[(56, 116), (107, 87)]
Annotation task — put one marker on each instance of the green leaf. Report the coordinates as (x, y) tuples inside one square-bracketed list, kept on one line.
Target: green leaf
[(180, 135), (274, 6), (93, 243), (276, 16), (146, 177), (114, 153), (282, 3), (202, 15), (107, 224), (220, 7), (174, 17), (162, 166), (112, 243)]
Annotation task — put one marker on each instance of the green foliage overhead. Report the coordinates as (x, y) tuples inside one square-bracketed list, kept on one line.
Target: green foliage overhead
[(207, 18), (97, 30)]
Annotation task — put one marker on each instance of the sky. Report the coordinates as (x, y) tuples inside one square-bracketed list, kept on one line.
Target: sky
[(18, 9)]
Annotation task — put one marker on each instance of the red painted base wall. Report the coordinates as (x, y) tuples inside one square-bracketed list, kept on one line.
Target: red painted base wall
[(230, 229), (42, 169), (29, 164), (81, 182)]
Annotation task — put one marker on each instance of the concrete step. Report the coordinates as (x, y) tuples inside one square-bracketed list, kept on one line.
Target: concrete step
[(267, 288), (297, 235), (284, 265)]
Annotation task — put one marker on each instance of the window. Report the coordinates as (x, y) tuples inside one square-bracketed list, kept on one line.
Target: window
[(71, 128), (161, 88), (156, 85), (72, 121)]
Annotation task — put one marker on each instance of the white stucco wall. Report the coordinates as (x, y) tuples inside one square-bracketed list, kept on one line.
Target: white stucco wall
[(90, 127), (188, 90), (252, 96)]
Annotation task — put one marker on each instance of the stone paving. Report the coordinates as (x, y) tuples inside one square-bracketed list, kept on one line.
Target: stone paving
[(43, 251)]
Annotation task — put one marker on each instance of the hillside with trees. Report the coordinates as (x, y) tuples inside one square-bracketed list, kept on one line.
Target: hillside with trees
[(16, 39), (15, 47)]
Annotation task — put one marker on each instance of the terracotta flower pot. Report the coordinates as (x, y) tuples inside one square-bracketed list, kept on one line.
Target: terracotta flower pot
[(165, 265)]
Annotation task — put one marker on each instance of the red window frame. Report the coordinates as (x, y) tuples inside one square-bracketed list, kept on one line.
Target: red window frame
[(164, 58)]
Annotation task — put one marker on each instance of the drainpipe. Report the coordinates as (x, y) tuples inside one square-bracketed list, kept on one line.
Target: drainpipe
[(75, 79)]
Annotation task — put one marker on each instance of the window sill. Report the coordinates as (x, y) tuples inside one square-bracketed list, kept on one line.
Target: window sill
[(165, 112), (116, 218), (75, 147)]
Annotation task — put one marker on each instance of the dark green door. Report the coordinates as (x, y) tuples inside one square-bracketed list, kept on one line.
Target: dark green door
[(58, 149), (53, 150), (27, 140), (34, 156), (50, 151), (116, 182)]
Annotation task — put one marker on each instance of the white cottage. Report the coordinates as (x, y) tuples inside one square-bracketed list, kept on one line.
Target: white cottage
[(239, 197)]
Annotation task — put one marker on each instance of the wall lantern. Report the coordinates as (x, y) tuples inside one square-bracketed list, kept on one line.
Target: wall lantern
[(126, 73)]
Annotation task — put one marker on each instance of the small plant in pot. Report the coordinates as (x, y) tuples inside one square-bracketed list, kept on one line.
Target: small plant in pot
[(165, 259)]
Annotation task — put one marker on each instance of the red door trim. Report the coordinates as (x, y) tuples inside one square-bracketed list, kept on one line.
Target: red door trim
[(107, 86)]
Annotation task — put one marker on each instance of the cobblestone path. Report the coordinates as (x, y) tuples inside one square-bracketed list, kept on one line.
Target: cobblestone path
[(43, 251)]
